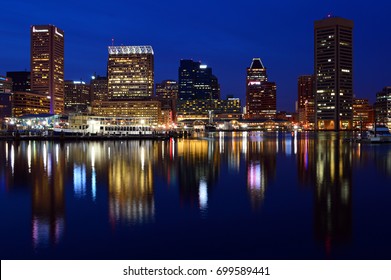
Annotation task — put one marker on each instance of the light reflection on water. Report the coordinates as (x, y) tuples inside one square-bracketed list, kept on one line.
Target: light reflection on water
[(143, 183)]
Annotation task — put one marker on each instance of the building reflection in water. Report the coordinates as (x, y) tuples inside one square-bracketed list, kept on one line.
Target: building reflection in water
[(306, 159), (191, 168), (130, 182), (261, 153), (198, 165), (325, 162), (48, 203)]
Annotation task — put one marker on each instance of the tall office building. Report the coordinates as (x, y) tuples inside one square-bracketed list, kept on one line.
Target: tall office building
[(333, 43), (196, 81), (130, 72), (47, 64), (306, 100), (260, 93), (21, 80)]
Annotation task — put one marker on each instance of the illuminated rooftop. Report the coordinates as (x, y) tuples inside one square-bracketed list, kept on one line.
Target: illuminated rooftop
[(257, 64), (130, 50)]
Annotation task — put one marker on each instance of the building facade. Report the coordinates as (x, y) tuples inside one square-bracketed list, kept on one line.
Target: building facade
[(130, 72), (47, 64), (363, 115), (98, 88), (5, 84), (77, 97), (383, 107), (146, 110), (167, 94), (211, 110), (26, 103), (306, 101), (21, 80), (333, 62), (261, 101)]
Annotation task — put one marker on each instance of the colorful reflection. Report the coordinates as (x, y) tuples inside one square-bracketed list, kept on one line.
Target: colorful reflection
[(130, 180), (130, 183)]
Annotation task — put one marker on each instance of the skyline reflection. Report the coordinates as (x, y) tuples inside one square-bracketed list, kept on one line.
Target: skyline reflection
[(132, 181)]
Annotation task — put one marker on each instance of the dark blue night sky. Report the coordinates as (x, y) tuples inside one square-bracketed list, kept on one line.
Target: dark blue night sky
[(226, 35)]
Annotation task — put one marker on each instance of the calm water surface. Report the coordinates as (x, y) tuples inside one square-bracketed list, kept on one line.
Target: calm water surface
[(220, 196)]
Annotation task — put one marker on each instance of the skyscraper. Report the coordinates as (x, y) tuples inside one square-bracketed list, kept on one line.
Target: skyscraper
[(47, 64), (333, 43), (130, 72), (305, 100), (196, 81), (260, 93)]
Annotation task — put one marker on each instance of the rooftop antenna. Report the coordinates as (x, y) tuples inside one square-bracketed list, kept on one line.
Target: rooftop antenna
[(112, 42)]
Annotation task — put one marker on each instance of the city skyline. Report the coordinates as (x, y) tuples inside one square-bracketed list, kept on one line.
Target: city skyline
[(218, 36)]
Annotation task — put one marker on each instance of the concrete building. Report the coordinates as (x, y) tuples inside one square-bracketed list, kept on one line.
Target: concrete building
[(333, 61)]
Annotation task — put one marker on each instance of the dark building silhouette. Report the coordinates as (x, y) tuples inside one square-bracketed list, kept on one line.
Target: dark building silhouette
[(196, 81), (333, 42), (21, 80), (5, 105)]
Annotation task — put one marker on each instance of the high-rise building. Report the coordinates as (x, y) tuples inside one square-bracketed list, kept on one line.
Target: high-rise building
[(21, 80), (186, 76), (130, 72), (305, 100), (196, 81), (383, 106), (260, 93), (47, 64), (333, 44), (77, 96), (98, 87)]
